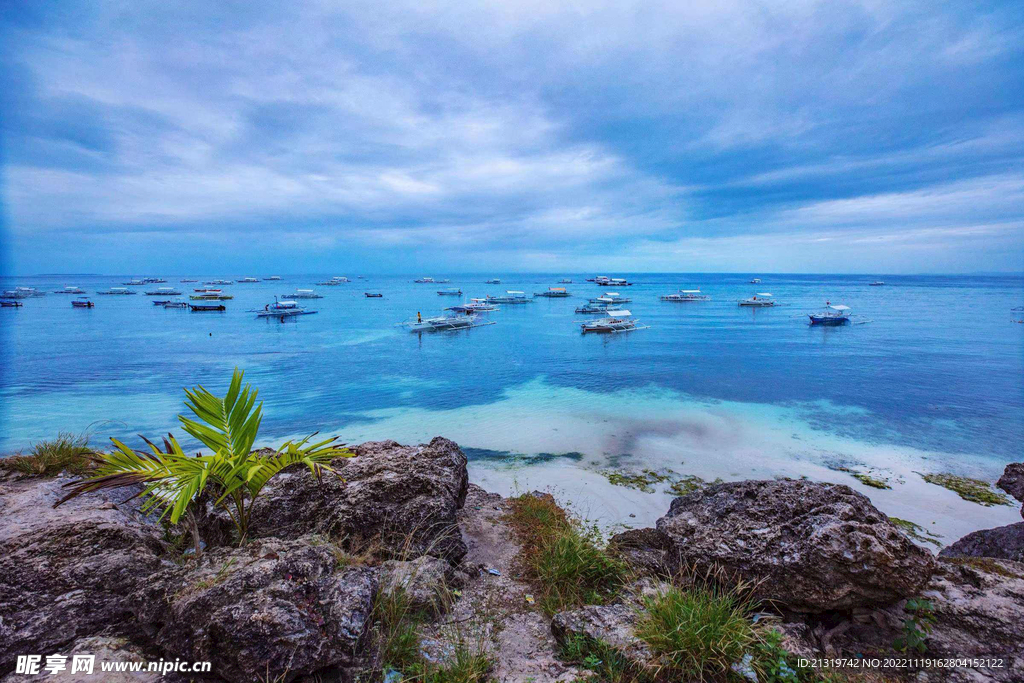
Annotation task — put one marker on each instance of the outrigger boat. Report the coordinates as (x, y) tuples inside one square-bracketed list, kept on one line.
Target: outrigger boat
[(611, 298), (878, 283), (82, 302), (135, 283), (10, 303), (554, 293), (282, 310), (686, 295), (565, 281), (474, 306), (755, 281), (188, 280), (493, 281), (593, 307), (210, 296), (118, 291), (334, 281), (163, 302), (304, 294), (165, 291), (274, 277), (373, 295), (444, 322), (759, 300), (834, 314), (451, 291), (614, 282), (70, 289), (615, 321), (511, 297), (219, 282), (599, 279), (425, 280), (23, 293), (247, 279), (206, 308), (175, 304)]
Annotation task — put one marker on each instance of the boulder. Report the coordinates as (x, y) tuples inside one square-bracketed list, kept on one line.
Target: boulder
[(810, 547), (68, 572), (1004, 542), (272, 610), (400, 500), (102, 649), (426, 582), (612, 625), (648, 550), (1012, 480)]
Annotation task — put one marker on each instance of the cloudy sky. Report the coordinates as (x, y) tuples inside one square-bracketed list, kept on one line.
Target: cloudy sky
[(390, 136)]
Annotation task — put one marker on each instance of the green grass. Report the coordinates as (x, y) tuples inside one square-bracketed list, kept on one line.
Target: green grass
[(49, 458), (697, 633), (463, 666), (396, 626), (564, 560), (607, 663), (973, 490)]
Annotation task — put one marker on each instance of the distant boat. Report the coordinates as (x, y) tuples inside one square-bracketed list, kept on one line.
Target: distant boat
[(686, 295), (877, 283), (10, 303), (274, 277), (175, 304), (444, 323), (70, 289), (118, 291), (834, 314), (135, 283), (425, 280), (565, 281), (166, 291), (611, 298), (304, 294), (373, 295), (474, 306), (451, 291), (756, 281), (334, 281), (493, 281), (163, 302), (187, 280), (82, 302), (247, 279), (219, 282), (593, 307), (22, 293), (554, 293), (206, 308), (759, 300), (614, 282), (615, 321), (211, 297), (511, 297), (282, 309)]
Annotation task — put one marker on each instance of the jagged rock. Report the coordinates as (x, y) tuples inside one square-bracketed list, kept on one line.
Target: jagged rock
[(979, 610), (67, 572), (427, 582), (612, 625), (811, 547), (645, 549), (400, 499), (1004, 542), (272, 610), (104, 649), (1012, 480)]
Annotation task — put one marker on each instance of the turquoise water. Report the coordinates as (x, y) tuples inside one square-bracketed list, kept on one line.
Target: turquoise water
[(932, 364)]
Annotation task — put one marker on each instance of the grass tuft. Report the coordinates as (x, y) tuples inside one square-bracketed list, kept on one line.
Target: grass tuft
[(49, 458), (564, 559), (973, 490), (608, 664)]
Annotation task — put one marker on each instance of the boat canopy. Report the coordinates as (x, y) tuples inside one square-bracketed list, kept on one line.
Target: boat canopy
[(556, 289), (622, 313), (763, 294), (513, 291), (839, 307), (697, 291), (611, 293), (286, 304)]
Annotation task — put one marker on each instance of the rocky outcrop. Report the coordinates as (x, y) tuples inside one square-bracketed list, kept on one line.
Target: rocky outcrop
[(811, 547), (1004, 542), (1012, 482), (274, 609), (611, 625), (648, 550), (105, 649), (68, 572), (426, 583), (401, 500)]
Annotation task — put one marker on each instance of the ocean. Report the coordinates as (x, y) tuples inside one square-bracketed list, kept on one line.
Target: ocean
[(929, 376)]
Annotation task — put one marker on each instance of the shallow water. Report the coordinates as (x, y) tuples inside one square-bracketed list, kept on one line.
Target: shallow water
[(929, 376)]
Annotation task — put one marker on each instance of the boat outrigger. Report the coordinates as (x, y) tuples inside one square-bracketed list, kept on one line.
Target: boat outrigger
[(282, 310), (686, 295), (834, 314), (511, 297), (554, 293), (615, 321), (444, 322), (759, 300), (82, 302)]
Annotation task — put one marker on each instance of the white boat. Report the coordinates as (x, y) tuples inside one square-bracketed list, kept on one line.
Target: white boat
[(565, 281), (759, 300), (756, 281), (274, 277), (451, 291), (282, 309), (425, 280), (444, 322), (598, 279), (248, 279), (135, 283), (511, 297), (593, 307), (611, 298), (554, 293), (686, 295), (614, 282), (834, 314), (304, 294), (167, 291), (336, 280), (70, 289), (473, 306), (493, 281), (617, 320), (219, 282), (23, 293), (118, 291), (877, 283)]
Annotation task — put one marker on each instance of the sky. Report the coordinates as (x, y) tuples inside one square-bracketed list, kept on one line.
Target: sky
[(386, 136)]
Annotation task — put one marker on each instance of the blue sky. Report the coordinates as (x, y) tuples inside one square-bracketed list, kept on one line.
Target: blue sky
[(376, 136)]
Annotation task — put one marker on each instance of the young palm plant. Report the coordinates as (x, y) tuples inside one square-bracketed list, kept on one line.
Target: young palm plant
[(233, 474)]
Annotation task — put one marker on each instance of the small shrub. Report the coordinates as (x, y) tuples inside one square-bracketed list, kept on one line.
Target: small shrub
[(916, 627), (68, 452), (697, 633)]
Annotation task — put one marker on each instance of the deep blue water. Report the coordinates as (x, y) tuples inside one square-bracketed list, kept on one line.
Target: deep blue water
[(931, 362)]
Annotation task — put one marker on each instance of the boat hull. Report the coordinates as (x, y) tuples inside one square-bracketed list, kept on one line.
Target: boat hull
[(828, 320)]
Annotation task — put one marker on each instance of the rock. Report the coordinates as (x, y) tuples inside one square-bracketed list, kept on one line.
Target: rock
[(427, 582), (645, 549), (812, 547), (399, 499), (1004, 542), (68, 572), (612, 625), (272, 610), (979, 611), (103, 649), (1012, 480)]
